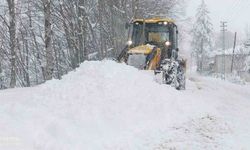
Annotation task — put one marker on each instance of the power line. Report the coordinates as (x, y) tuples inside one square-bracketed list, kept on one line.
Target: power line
[(234, 6), (234, 9), (236, 13)]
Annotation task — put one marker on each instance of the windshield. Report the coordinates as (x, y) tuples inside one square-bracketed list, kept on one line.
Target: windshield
[(158, 33), (137, 60), (158, 37)]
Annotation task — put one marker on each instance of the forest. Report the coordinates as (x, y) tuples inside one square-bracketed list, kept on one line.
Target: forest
[(44, 39)]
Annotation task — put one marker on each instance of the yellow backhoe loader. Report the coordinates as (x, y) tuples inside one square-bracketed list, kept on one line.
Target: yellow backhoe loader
[(153, 45)]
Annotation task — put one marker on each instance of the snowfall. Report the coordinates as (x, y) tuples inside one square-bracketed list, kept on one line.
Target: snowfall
[(109, 106)]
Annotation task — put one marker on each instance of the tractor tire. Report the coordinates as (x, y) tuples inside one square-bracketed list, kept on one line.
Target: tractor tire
[(180, 78)]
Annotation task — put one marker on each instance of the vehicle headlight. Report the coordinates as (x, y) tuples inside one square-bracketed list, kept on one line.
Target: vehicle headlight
[(129, 43), (167, 43)]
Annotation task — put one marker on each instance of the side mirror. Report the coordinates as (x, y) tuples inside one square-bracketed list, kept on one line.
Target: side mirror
[(177, 49), (127, 25)]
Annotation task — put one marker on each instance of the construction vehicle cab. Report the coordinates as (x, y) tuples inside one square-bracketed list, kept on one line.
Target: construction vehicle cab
[(162, 33), (153, 43)]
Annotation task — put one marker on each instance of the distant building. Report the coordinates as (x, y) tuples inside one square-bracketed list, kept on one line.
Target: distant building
[(241, 55), (238, 63)]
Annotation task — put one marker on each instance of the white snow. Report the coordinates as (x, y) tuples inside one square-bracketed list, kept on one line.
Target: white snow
[(239, 49), (110, 106)]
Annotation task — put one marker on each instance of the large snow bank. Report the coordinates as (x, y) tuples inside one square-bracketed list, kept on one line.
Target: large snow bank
[(110, 106)]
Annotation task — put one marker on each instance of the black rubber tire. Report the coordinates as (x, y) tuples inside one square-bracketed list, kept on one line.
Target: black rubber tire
[(180, 78)]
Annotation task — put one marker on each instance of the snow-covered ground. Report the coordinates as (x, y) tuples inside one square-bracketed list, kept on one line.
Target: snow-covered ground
[(110, 106)]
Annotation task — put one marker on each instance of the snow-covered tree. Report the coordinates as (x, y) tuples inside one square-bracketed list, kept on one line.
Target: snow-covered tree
[(202, 36), (159, 8), (12, 35), (45, 39), (48, 39)]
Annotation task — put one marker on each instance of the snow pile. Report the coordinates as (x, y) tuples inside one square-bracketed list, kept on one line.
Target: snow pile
[(233, 78), (110, 106)]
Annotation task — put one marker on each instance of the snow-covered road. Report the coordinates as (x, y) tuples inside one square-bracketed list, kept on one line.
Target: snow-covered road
[(110, 106)]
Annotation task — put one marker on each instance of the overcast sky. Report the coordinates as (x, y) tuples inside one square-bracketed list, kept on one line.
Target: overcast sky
[(235, 12)]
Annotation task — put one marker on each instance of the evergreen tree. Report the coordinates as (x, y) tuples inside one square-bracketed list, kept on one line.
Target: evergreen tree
[(202, 36)]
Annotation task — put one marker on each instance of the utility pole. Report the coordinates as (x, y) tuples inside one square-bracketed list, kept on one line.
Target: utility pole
[(232, 65), (202, 56), (223, 30)]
